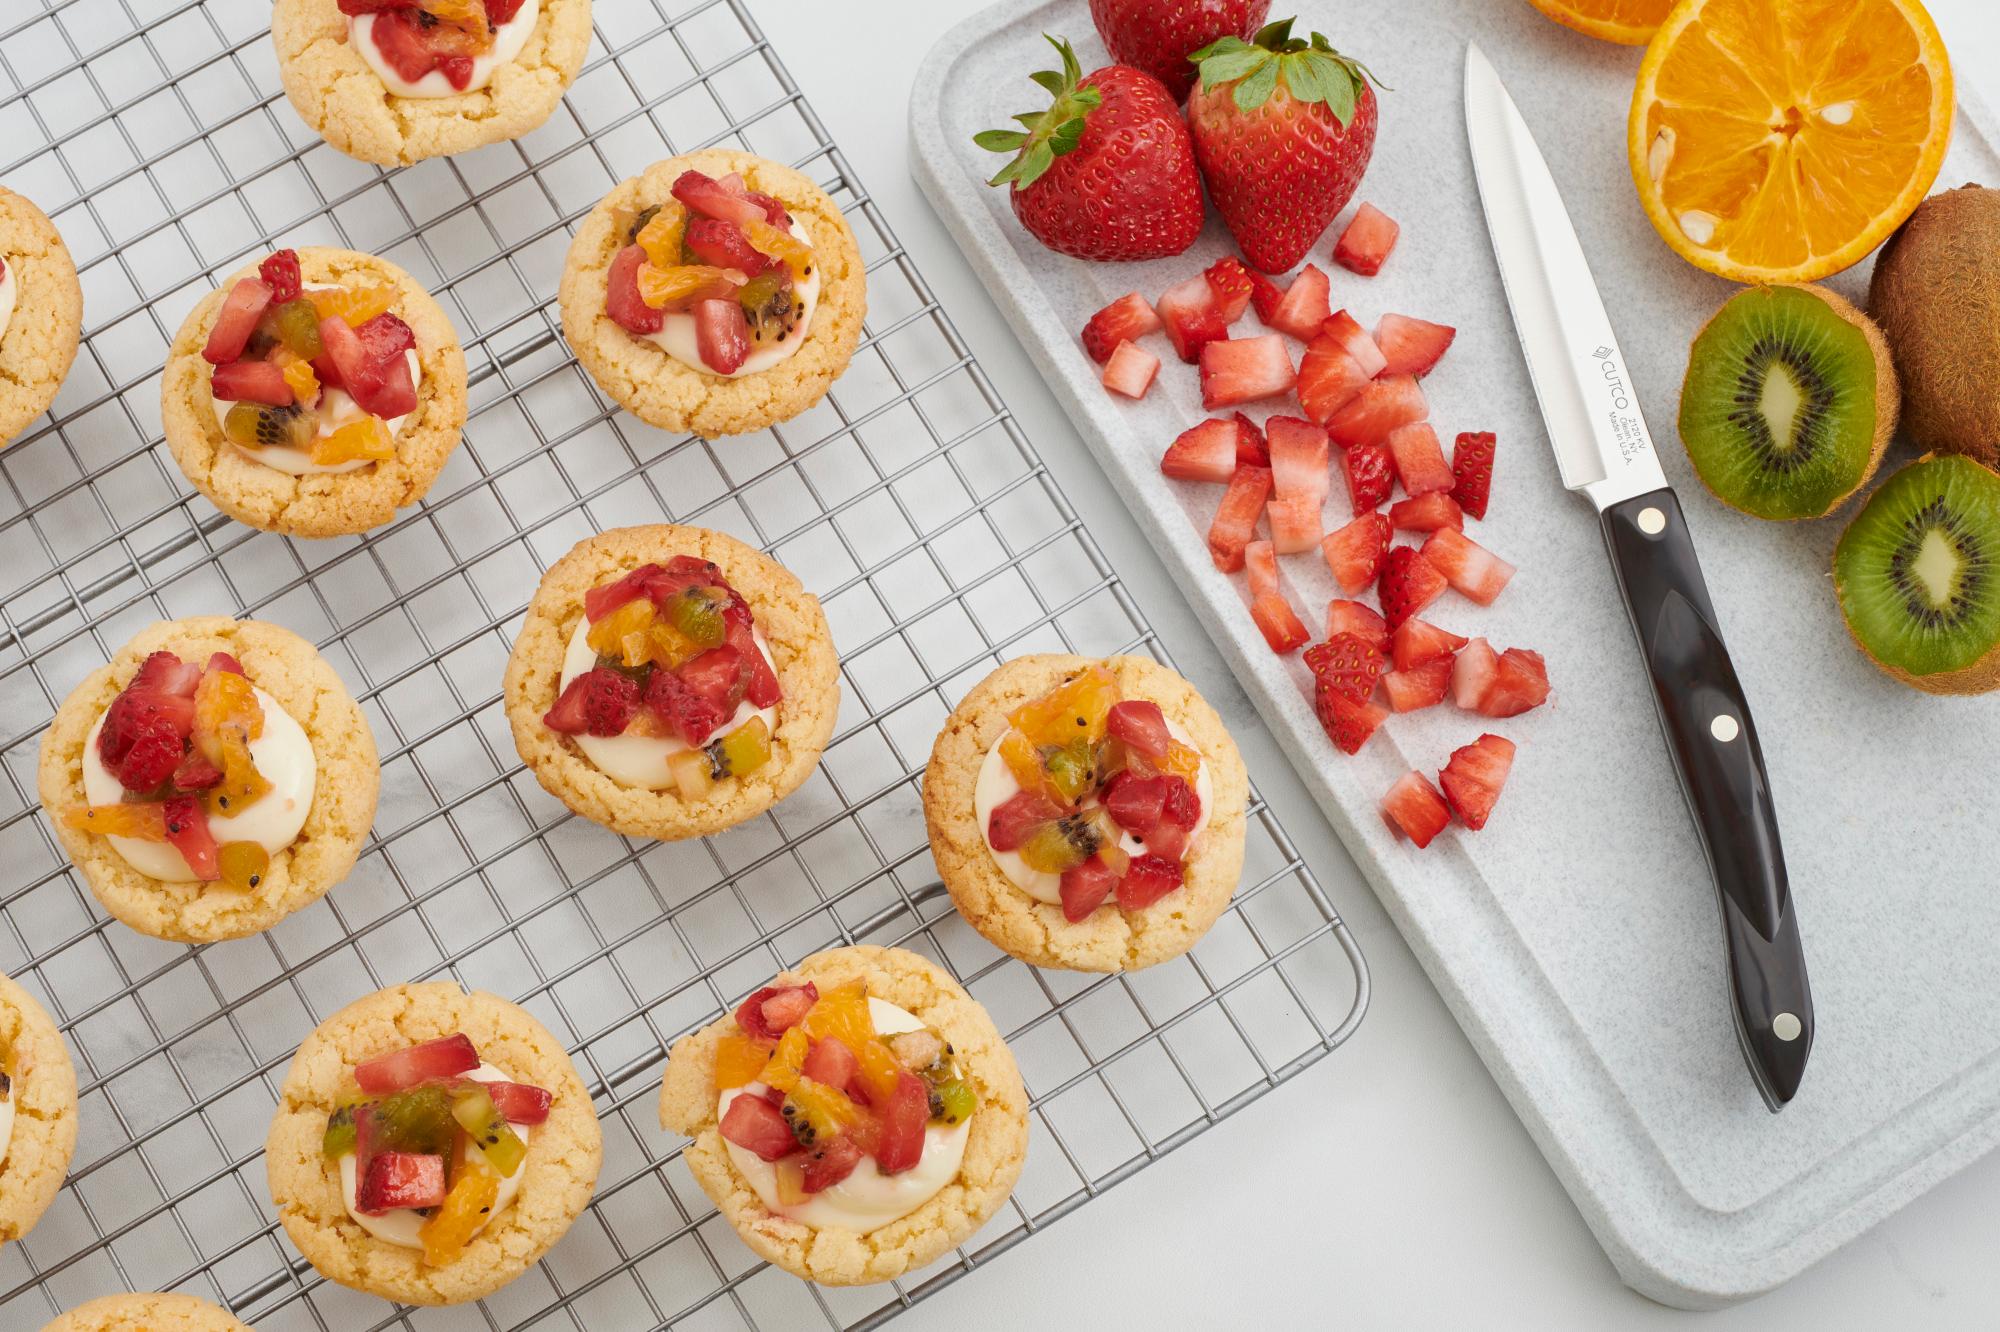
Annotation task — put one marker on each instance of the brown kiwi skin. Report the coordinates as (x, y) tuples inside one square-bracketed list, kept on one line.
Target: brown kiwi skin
[(1936, 293)]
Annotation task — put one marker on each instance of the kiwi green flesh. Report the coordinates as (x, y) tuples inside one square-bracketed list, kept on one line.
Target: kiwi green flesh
[(1778, 410), (1918, 570)]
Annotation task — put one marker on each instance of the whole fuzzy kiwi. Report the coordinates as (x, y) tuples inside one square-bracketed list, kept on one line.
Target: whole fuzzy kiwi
[(1936, 294)]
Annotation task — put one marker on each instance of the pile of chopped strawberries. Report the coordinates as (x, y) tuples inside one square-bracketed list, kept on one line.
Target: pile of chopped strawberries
[(415, 37), (1363, 414)]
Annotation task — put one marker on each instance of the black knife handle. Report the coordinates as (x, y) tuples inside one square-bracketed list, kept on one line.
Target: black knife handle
[(1714, 744)]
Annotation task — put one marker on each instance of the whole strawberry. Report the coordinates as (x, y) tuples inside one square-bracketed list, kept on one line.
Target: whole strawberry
[(1106, 172), (1283, 128), (1159, 36)]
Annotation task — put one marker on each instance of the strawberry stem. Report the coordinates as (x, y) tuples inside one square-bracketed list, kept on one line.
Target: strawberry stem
[(1048, 134), (1310, 69)]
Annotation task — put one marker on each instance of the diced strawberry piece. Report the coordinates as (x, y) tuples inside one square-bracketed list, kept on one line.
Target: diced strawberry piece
[(502, 11), (1279, 624), (1469, 567), (236, 320), (379, 387), (1135, 803), (1016, 818), (721, 335), (1230, 281), (688, 714), (400, 1179), (165, 673), (1126, 319), (1472, 672), (1192, 317), (1329, 379), (355, 8), (445, 1057), (1355, 552), (1366, 242), (900, 1141), (1347, 664), (1520, 682), (764, 691), (224, 661), (1130, 370), (720, 677), (1347, 723), (1265, 295), (706, 196), (1419, 687), (1419, 641), (280, 272), (1085, 887), (1409, 583), (152, 754), (1473, 776), (519, 1103), (1378, 409), (1205, 452), (1412, 346), (1414, 809), (831, 1063), (1237, 370), (1182, 805), (1351, 617), (144, 730), (1235, 524), (1370, 470), (1472, 471), (757, 1126), (1260, 561), (600, 702), (1250, 446), (774, 1010), (622, 301), (1345, 329), (1141, 724), (250, 381), (829, 1163), (1150, 878), (386, 337), (1295, 523), (599, 602), (1298, 458), (397, 36), (1305, 306), (723, 245), (187, 833), (1428, 512), (196, 773), (1419, 459)]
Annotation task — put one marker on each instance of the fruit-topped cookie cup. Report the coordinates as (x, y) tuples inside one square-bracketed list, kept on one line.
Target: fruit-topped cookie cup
[(430, 1144), (395, 81), (717, 293), (854, 1119), (314, 393), (214, 778), (41, 313), (37, 1110), (1087, 814), (670, 682), (149, 1311)]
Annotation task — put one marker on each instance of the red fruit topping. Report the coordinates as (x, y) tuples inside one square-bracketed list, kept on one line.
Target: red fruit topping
[(1150, 878), (776, 1009), (250, 381), (1329, 378), (1414, 809), (1347, 723), (1351, 617), (1085, 887), (1366, 242), (692, 717), (355, 8), (600, 702), (1135, 803), (1279, 623), (1237, 370), (236, 321), (1126, 319), (720, 677), (445, 1057), (1370, 470), (1230, 281), (1130, 370), (1354, 340), (1159, 39), (1347, 664), (223, 661), (1419, 687), (1472, 672), (1192, 317), (380, 386), (764, 690), (1250, 445), (386, 337), (831, 1063), (187, 833), (195, 772), (502, 11), (1381, 406), (1473, 777), (1409, 583), (1305, 306), (829, 1163), (900, 1139), (1355, 552), (723, 244), (400, 1179), (1520, 682), (404, 47), (622, 301), (1265, 296), (774, 209), (1235, 522), (1141, 725), (1205, 452), (1472, 471), (1412, 346), (1015, 819), (165, 673), (1419, 459), (1182, 806), (1469, 567), (706, 196), (599, 602), (1419, 641), (1429, 512), (518, 1103), (721, 335), (280, 271), (757, 1126)]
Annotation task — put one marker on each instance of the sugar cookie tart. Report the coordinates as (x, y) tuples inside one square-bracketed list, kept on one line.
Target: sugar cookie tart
[(211, 780), (147, 1313), (671, 682), (430, 1144), (37, 1111), (1087, 814), (717, 293), (853, 1120), (41, 313), (395, 81), (314, 393)]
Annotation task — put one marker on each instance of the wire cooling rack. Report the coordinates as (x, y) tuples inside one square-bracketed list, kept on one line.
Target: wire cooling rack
[(154, 132)]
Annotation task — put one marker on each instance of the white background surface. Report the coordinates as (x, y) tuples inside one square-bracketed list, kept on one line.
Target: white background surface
[(1390, 1185)]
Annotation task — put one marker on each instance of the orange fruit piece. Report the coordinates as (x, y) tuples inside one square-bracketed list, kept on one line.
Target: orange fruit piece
[(780, 244), (622, 633), (1782, 140), (363, 437), (676, 285), (661, 237), (451, 1227), (146, 822), (224, 702), (1627, 22), (356, 305), (242, 785), (738, 1060), (782, 1069), (1072, 711), (303, 382), (243, 864)]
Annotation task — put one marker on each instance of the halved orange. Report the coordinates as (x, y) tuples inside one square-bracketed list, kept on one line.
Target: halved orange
[(1629, 22), (1782, 140)]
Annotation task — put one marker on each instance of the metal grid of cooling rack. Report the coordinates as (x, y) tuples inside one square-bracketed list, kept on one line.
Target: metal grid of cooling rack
[(154, 133)]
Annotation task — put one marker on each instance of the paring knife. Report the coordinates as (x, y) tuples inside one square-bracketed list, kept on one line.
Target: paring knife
[(1602, 449)]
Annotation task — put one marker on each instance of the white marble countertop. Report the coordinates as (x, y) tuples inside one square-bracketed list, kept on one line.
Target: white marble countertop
[(1390, 1184)]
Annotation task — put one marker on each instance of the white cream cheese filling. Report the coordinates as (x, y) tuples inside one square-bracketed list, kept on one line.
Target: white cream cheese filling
[(8, 290), (508, 39), (284, 757), (996, 786), (404, 1225), (677, 332), (641, 760), (867, 1199)]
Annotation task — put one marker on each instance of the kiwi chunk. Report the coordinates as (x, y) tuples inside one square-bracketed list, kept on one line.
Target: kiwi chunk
[(1789, 401), (1918, 576)]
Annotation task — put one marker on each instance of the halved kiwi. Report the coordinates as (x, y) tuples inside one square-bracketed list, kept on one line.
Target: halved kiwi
[(1918, 576), (1789, 401)]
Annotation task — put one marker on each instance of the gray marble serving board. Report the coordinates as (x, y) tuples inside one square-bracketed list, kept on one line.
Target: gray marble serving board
[(1576, 938)]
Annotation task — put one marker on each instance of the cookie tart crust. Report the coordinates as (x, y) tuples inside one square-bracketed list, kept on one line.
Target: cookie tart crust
[(1110, 937), (794, 637), (41, 1097), (147, 1313), (342, 97), (293, 674), (995, 1144), (662, 390), (556, 1176), (38, 341), (329, 504)]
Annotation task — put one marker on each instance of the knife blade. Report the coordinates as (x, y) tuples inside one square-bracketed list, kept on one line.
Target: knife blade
[(1604, 451)]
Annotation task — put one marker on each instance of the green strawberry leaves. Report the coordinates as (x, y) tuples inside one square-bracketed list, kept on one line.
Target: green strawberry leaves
[(1312, 71), (1045, 135)]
